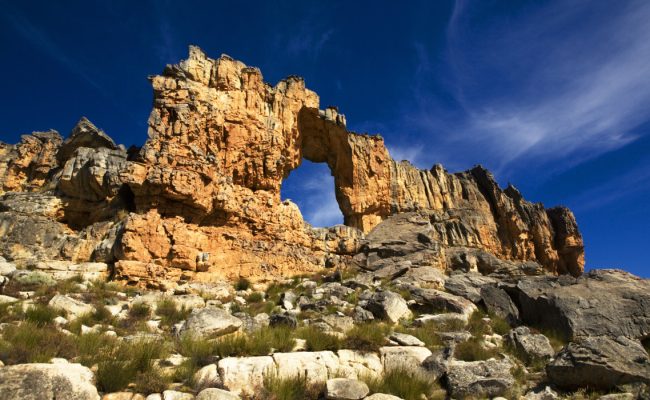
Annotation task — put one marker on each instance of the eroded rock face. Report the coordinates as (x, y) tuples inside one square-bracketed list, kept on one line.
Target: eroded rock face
[(602, 302), (203, 192)]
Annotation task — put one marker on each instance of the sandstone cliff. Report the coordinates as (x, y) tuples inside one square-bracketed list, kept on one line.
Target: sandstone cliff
[(201, 199)]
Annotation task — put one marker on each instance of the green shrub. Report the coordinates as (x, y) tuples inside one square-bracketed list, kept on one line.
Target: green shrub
[(120, 365), (255, 297), (295, 388), (259, 343), (29, 343), (499, 325), (317, 340), (402, 383), (472, 350), (242, 284), (426, 333), (151, 381), (92, 346), (200, 351), (170, 313), (40, 314), (366, 337), (140, 311)]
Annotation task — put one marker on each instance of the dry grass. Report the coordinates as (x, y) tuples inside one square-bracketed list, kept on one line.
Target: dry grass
[(367, 337), (402, 383), (317, 340), (29, 343)]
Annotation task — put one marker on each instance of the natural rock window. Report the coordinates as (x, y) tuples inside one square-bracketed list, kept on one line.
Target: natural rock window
[(311, 187)]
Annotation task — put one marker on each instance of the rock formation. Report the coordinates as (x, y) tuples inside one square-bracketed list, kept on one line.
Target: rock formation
[(201, 199)]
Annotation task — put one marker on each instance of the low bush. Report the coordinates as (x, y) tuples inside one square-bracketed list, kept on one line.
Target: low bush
[(426, 333), (402, 383), (140, 311), (258, 343), (170, 313), (295, 388), (40, 314), (242, 284), (151, 381), (473, 350), (255, 297), (366, 337), (317, 340), (200, 351), (29, 343), (120, 365)]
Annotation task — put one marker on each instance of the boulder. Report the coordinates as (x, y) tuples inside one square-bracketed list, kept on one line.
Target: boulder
[(601, 302), (207, 377), (210, 322), (479, 379), (439, 301), (468, 285), (72, 307), (315, 366), (409, 358), (216, 394), (283, 320), (47, 381), (245, 374), (388, 306), (600, 362), (346, 389), (497, 302), (382, 396), (176, 395), (357, 364), (532, 346), (404, 339)]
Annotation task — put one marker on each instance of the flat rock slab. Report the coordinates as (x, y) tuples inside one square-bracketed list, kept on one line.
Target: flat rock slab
[(600, 362), (47, 381), (210, 322), (346, 389)]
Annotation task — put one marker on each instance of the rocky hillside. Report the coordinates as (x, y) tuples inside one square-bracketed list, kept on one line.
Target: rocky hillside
[(175, 270)]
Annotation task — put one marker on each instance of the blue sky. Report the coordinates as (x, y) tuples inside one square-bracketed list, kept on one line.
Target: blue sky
[(553, 96)]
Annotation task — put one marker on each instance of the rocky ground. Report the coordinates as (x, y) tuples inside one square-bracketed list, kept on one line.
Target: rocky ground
[(177, 271), (413, 333)]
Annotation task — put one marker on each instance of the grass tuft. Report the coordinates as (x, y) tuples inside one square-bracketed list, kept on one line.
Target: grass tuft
[(402, 383), (169, 312), (317, 340), (242, 284), (295, 388), (40, 315), (29, 343), (367, 337)]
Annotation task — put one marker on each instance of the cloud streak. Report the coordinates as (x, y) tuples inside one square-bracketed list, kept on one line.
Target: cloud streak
[(562, 83)]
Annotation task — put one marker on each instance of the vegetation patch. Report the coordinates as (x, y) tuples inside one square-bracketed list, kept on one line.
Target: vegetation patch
[(402, 383), (367, 337), (317, 340)]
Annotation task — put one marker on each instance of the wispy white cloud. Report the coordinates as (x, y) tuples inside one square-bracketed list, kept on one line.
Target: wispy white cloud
[(313, 191), (563, 82)]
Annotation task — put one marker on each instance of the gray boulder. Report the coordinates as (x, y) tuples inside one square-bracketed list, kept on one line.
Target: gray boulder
[(216, 394), (346, 389), (531, 345), (600, 362), (601, 302), (47, 381), (497, 302), (439, 301), (210, 322), (479, 379), (468, 285), (388, 306)]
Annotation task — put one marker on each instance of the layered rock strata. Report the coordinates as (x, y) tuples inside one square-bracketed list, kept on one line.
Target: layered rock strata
[(201, 199)]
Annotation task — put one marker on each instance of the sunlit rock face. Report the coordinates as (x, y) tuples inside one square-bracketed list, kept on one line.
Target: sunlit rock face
[(201, 199)]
